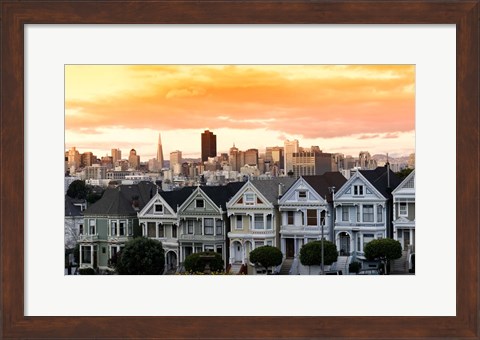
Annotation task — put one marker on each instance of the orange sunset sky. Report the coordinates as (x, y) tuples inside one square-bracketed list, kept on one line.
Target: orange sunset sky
[(340, 108)]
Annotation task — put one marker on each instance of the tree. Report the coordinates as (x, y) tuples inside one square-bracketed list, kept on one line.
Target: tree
[(266, 257), (77, 189), (196, 262), (402, 174), (385, 250), (311, 253), (141, 256)]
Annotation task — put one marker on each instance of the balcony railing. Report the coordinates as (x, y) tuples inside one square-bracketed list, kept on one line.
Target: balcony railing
[(88, 238), (202, 237)]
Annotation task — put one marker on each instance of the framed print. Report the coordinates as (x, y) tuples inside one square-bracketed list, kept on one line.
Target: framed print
[(36, 39)]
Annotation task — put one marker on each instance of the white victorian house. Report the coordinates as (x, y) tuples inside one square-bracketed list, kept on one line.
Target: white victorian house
[(363, 210), (254, 218), (404, 218), (159, 221)]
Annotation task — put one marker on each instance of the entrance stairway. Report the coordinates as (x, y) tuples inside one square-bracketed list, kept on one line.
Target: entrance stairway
[(286, 266), (341, 264), (235, 268), (400, 265)]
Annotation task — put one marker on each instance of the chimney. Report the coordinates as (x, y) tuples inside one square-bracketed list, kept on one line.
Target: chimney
[(280, 190)]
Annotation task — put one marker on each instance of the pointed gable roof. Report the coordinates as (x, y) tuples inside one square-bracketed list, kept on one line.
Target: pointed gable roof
[(269, 187), (72, 210), (123, 200), (220, 195), (408, 183), (176, 198), (322, 183), (380, 177)]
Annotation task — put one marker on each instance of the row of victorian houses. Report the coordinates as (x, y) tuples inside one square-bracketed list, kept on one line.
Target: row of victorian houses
[(234, 219)]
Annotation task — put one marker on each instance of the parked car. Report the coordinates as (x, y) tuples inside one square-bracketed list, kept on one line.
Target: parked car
[(333, 272)]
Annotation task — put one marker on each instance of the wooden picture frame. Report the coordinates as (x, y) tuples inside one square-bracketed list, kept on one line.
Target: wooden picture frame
[(14, 15)]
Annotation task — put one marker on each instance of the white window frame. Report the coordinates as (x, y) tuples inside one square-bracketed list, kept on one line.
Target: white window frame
[(218, 227), (400, 209), (358, 190), (124, 228), (197, 201), (156, 210), (238, 219), (246, 199), (92, 223), (262, 227), (345, 211), (300, 195), (211, 228), (370, 214), (379, 213), (161, 227), (190, 227)]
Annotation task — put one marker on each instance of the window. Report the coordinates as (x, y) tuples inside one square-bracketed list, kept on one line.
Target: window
[(358, 213), (367, 238), (122, 228), (113, 228), (219, 227), (269, 221), (345, 216), (358, 190), (158, 208), (190, 226), (239, 224), (208, 226), (270, 243), (130, 229), (249, 198), (311, 217), (208, 248), (259, 244), (151, 229), (302, 195), (258, 221), (86, 254), (379, 213), (290, 217), (174, 231), (199, 203), (80, 229), (161, 230), (92, 228), (368, 213), (113, 251), (403, 209), (399, 233), (219, 250)]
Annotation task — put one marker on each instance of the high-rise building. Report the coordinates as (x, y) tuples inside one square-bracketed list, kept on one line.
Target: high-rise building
[(74, 158), (411, 161), (365, 161), (209, 145), (311, 163), (251, 157), (116, 156), (160, 152), (175, 158), (291, 147), (87, 159), (133, 159)]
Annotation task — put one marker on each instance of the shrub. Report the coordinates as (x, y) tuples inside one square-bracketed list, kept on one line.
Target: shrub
[(196, 262), (311, 253), (384, 250), (266, 257), (141, 256), (86, 271), (354, 267)]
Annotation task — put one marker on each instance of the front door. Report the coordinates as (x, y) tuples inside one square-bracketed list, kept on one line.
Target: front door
[(344, 244), (237, 248), (290, 247), (406, 239)]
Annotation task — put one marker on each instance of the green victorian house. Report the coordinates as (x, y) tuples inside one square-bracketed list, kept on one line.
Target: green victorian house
[(112, 221)]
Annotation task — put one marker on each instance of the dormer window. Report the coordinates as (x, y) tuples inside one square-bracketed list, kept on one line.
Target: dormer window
[(158, 208), (249, 198), (302, 195), (199, 203), (358, 190)]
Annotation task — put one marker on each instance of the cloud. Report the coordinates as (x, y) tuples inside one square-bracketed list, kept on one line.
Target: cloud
[(313, 102), (368, 136)]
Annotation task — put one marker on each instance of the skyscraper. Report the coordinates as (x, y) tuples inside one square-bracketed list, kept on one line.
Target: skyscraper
[(116, 155), (209, 145), (160, 152), (290, 148)]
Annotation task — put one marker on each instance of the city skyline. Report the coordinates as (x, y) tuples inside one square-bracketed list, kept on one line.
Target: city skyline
[(340, 108)]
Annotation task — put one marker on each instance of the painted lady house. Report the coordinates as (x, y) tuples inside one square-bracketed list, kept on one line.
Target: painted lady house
[(306, 208), (112, 221), (404, 223), (159, 221), (363, 211), (203, 220), (254, 219)]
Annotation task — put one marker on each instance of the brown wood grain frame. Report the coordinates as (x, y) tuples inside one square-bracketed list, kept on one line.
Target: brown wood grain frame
[(464, 14)]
